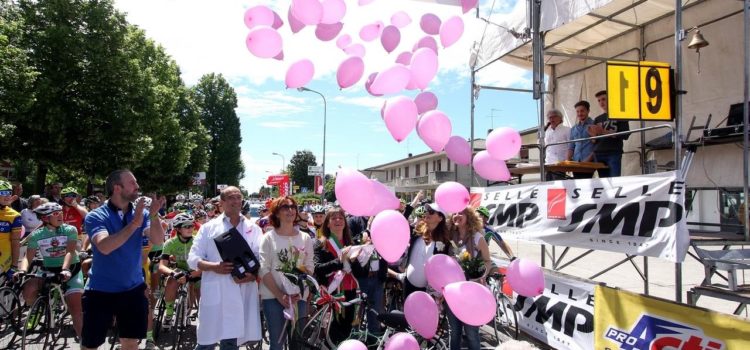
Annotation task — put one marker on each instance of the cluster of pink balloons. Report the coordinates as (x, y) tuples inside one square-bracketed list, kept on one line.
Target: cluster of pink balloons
[(263, 40), (502, 144), (525, 277), (361, 196)]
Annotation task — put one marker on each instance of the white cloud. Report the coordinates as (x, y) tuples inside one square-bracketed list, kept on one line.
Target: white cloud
[(256, 171), (253, 104), (283, 124), (369, 102)]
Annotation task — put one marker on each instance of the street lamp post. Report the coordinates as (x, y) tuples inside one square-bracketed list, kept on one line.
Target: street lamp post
[(283, 162), (323, 164)]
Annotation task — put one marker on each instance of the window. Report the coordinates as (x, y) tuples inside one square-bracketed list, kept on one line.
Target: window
[(406, 171), (427, 168), (439, 166), (393, 174), (399, 172), (449, 165), (416, 170)]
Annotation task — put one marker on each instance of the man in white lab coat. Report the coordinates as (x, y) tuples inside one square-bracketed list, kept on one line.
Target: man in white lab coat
[(222, 295)]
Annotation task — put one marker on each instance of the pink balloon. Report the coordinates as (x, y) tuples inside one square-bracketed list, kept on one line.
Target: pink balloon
[(404, 58), (430, 24), (471, 302), (299, 74), (526, 277), (352, 344), (294, 24), (383, 199), (452, 197), (434, 129), (390, 38), (353, 191), (327, 32), (390, 234), (355, 50), (400, 116), (350, 71), (400, 19), (333, 11), (426, 101), (368, 84), (391, 80), (451, 31), (503, 143), (428, 42), (422, 314), (259, 16), (371, 31), (309, 12), (343, 41), (458, 150), (442, 270), (424, 67), (401, 341), (365, 2), (490, 168), (263, 42), (280, 56), (277, 21), (468, 5)]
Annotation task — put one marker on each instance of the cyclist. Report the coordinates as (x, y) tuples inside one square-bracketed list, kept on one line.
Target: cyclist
[(73, 213), (177, 248), (318, 214), (200, 218), (56, 242), (92, 202), (491, 234), (10, 230)]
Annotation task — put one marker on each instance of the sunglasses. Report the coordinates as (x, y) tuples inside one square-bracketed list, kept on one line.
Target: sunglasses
[(428, 210), (56, 213), (69, 195), (6, 193), (187, 226), (288, 207)]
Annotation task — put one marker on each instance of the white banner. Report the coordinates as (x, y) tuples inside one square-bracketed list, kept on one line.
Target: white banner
[(638, 215), (562, 317)]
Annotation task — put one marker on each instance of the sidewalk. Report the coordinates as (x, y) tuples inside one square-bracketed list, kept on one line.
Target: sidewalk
[(661, 272)]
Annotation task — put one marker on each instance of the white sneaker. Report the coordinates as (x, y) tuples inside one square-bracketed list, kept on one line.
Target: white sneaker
[(167, 324), (150, 345)]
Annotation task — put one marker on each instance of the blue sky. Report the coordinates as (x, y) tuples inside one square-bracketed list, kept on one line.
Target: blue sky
[(208, 36)]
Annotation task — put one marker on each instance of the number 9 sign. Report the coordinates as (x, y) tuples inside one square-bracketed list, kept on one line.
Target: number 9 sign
[(639, 91)]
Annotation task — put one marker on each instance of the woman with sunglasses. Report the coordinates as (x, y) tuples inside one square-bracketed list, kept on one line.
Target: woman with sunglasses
[(283, 249), (468, 237), (332, 256)]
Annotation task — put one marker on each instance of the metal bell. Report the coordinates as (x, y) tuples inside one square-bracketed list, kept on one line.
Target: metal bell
[(697, 42)]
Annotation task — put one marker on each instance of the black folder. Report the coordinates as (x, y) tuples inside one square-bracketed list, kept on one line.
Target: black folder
[(234, 248)]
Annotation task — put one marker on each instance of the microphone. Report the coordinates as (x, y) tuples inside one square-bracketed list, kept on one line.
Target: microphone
[(546, 126)]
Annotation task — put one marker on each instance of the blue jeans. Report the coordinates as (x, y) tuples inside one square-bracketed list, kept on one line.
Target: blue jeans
[(274, 313), (375, 292), (457, 328), (613, 162), (225, 344)]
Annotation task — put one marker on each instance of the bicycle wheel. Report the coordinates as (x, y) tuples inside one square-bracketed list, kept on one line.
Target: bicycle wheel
[(10, 311), (179, 322), (161, 308), (506, 318), (313, 334), (36, 326), (433, 344)]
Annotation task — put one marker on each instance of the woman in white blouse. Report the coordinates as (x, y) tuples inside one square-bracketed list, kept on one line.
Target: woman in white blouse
[(284, 248)]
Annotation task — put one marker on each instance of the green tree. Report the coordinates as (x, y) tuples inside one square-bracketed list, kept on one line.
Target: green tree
[(297, 168), (330, 188), (217, 101)]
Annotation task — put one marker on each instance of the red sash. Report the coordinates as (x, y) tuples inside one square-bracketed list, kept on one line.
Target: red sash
[(349, 282)]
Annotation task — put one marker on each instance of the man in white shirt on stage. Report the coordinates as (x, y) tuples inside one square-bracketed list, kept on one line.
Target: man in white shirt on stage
[(229, 310), (555, 131)]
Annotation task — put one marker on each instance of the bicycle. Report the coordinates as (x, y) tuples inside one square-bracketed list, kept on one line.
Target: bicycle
[(506, 317), (315, 333), (47, 317), (395, 322), (10, 308), (394, 295), (182, 307)]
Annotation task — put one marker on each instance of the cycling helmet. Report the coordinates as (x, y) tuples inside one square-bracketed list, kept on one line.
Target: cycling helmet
[(419, 212), (5, 186), (91, 199), (182, 219), (196, 198), (245, 207), (484, 212), (209, 207), (47, 208), (179, 197), (262, 208), (199, 213), (317, 209), (68, 191)]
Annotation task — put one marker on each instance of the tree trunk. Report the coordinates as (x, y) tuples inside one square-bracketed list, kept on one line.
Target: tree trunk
[(41, 177)]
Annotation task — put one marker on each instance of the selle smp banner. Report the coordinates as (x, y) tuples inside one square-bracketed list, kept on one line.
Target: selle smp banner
[(638, 215)]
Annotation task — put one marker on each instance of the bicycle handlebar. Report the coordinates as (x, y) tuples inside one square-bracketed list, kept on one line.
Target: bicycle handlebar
[(307, 277)]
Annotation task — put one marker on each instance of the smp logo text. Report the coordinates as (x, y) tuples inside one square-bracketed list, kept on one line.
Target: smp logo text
[(654, 333)]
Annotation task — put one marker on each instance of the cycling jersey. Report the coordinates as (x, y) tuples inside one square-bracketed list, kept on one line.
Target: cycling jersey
[(52, 244), (10, 222), (73, 217), (180, 251)]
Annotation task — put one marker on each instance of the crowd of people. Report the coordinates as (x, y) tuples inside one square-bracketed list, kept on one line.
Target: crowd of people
[(104, 247)]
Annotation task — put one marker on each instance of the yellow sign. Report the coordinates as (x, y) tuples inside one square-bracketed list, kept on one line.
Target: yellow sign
[(625, 320), (639, 90)]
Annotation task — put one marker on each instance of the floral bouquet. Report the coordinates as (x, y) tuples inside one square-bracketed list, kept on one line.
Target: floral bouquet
[(473, 266), (291, 264)]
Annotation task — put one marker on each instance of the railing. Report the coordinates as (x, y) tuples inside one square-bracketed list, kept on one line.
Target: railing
[(434, 178)]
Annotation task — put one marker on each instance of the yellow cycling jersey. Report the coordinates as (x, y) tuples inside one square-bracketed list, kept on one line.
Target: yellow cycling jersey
[(10, 222)]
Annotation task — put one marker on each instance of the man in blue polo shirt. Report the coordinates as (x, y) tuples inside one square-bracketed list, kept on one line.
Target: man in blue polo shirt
[(116, 287), (583, 150)]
